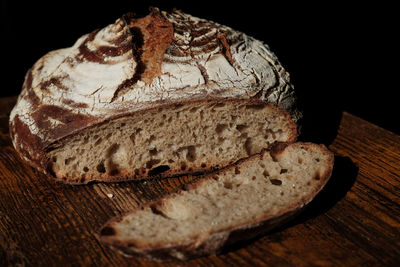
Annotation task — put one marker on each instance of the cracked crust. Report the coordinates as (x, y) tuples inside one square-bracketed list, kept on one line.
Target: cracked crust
[(136, 64)]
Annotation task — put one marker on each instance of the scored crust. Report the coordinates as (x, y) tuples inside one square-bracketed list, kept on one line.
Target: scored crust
[(212, 243), (136, 64)]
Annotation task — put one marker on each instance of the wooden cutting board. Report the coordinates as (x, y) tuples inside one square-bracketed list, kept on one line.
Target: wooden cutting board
[(354, 221)]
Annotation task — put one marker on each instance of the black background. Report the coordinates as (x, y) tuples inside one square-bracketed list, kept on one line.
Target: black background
[(340, 56)]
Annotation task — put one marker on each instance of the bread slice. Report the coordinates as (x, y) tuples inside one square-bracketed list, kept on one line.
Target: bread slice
[(176, 139), (217, 209)]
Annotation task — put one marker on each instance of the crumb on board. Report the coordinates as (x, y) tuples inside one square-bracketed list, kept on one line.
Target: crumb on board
[(110, 195)]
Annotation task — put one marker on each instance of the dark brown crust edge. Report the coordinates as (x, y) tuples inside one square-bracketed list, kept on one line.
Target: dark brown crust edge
[(214, 243)]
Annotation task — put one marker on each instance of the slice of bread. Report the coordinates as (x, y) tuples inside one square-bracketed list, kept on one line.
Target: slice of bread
[(176, 139), (235, 203)]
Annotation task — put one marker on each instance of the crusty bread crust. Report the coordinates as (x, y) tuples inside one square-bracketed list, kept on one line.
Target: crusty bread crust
[(57, 101), (213, 243)]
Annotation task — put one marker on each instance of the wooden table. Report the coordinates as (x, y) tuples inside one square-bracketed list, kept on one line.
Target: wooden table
[(354, 221)]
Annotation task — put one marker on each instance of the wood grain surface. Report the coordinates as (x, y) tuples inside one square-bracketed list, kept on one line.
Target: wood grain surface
[(354, 221)]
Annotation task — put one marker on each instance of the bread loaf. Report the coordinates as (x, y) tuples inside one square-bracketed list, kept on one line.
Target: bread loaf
[(159, 95), (218, 209)]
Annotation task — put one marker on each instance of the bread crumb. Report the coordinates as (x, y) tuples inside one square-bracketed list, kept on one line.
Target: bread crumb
[(110, 195)]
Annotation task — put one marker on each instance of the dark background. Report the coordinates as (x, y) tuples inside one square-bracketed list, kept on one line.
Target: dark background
[(340, 56)]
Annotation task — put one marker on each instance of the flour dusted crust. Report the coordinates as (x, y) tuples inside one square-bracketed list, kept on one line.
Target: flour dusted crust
[(139, 63)]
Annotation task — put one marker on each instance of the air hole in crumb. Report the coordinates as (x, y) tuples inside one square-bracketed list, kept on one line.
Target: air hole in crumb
[(283, 171), (156, 211), (133, 135), (98, 141), (108, 136), (253, 178), (122, 124), (136, 172), (220, 128), (68, 160), (194, 109), (159, 169), (178, 106), (191, 153), (282, 193), (241, 127), (85, 140), (112, 149), (85, 169), (169, 119), (101, 168), (228, 185), (153, 151), (265, 173), (203, 165), (248, 146), (152, 162), (237, 171), (219, 105), (317, 159), (152, 138), (183, 166), (201, 114), (54, 159), (300, 160), (171, 161), (276, 181)]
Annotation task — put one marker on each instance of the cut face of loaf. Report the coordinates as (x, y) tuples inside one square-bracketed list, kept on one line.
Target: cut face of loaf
[(235, 203), (170, 140)]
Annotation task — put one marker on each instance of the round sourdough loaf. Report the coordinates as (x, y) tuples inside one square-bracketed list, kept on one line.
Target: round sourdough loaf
[(165, 62)]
